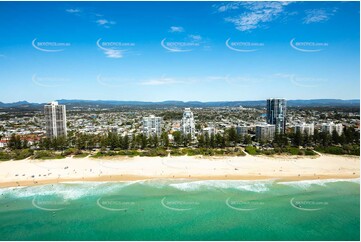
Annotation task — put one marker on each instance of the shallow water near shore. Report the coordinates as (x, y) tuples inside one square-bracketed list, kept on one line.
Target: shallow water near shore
[(183, 210)]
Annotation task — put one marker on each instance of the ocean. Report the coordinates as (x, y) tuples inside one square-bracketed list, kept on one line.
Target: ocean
[(183, 210)]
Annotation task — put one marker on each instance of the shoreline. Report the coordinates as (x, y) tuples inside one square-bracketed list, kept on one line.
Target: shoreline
[(121, 169), (120, 179)]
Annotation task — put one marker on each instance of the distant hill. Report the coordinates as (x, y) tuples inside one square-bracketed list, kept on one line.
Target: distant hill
[(171, 103)]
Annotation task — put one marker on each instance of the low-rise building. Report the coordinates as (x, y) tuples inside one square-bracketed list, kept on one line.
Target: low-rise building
[(209, 131), (242, 130)]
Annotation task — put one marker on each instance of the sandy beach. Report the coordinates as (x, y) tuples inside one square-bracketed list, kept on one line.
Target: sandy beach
[(35, 172)]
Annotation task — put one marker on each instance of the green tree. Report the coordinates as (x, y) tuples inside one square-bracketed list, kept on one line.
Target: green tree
[(207, 141), (144, 141), (213, 141), (220, 142), (201, 141), (232, 136), (247, 139), (298, 139), (177, 135), (15, 142), (155, 141), (306, 139), (165, 139), (326, 139), (335, 137), (125, 142)]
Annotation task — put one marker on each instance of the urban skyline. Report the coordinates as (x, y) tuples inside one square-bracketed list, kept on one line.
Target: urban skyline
[(97, 53), (180, 120)]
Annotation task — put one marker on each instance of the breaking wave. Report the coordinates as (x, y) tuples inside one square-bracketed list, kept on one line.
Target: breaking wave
[(322, 182)]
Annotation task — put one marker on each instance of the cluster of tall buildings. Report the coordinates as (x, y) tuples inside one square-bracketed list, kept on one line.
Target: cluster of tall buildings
[(153, 125), (55, 118), (276, 114), (276, 119)]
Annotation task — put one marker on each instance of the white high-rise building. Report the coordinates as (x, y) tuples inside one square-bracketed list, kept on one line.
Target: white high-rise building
[(187, 123), (55, 119), (330, 127), (152, 125), (305, 128), (265, 132)]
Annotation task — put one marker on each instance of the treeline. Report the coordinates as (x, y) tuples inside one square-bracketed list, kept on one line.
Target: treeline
[(347, 143)]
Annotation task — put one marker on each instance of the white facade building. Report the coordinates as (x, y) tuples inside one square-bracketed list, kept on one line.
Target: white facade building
[(265, 132), (242, 130), (209, 130), (187, 123), (152, 125), (305, 128), (55, 120), (330, 127)]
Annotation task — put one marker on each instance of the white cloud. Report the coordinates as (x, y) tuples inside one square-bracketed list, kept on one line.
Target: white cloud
[(255, 14), (101, 20), (73, 10), (318, 15), (113, 53), (104, 22), (227, 6), (176, 29)]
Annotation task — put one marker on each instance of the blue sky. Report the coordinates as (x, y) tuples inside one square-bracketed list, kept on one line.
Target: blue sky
[(156, 51)]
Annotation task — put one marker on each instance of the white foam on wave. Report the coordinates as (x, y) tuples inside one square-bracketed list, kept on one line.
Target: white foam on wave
[(244, 185), (68, 191), (161, 183), (322, 182)]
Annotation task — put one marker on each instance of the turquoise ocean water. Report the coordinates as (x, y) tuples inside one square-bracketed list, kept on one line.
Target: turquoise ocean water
[(183, 210)]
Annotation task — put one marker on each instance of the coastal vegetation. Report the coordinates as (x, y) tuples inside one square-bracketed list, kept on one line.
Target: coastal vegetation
[(228, 143)]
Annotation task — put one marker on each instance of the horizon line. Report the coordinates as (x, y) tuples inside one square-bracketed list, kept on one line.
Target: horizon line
[(110, 100)]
